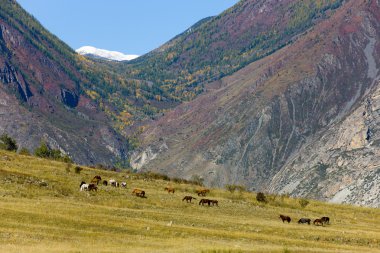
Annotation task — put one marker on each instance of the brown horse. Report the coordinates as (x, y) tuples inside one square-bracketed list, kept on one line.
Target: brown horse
[(208, 202), (96, 180), (325, 220), (285, 218), (318, 222), (139, 193), (170, 189), (92, 187), (205, 201), (188, 198), (214, 202), (202, 192)]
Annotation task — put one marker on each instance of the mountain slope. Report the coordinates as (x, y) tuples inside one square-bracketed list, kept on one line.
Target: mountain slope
[(254, 126), (42, 97), (220, 45)]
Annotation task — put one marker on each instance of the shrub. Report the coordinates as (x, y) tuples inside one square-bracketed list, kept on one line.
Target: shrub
[(24, 151), (8, 143), (233, 187), (260, 197), (78, 169), (303, 202), (44, 151)]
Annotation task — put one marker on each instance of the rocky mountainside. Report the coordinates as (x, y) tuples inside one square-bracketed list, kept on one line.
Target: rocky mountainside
[(301, 121), (42, 96)]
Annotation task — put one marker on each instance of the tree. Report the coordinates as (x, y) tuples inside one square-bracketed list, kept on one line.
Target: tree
[(260, 197), (8, 143), (42, 151)]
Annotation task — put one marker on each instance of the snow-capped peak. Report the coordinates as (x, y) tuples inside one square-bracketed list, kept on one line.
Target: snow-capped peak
[(102, 53)]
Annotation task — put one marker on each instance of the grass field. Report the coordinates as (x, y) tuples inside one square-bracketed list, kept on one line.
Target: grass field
[(42, 210)]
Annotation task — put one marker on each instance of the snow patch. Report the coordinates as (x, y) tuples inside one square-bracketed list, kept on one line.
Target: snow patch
[(102, 53)]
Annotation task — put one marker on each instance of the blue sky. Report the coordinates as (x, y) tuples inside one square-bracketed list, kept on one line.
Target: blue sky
[(128, 26)]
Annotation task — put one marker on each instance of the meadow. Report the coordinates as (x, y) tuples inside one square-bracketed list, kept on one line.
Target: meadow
[(42, 210)]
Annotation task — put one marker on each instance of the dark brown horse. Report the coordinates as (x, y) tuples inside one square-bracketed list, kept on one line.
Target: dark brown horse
[(214, 202), (325, 220), (92, 187), (188, 198), (204, 201), (285, 218), (318, 222)]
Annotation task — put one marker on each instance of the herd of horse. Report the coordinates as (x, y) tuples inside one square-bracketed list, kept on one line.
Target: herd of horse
[(317, 222), (93, 186)]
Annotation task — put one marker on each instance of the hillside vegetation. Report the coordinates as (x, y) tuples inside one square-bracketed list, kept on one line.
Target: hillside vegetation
[(43, 210)]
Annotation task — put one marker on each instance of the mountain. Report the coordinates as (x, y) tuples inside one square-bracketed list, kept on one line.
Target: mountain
[(44, 93), (104, 54), (301, 121), (219, 46)]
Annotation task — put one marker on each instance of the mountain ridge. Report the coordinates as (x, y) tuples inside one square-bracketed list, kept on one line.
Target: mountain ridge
[(263, 115)]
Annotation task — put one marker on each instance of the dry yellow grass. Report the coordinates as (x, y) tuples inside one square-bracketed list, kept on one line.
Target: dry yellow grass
[(60, 218)]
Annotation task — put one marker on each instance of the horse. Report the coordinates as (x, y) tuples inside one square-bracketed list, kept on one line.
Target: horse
[(304, 220), (214, 202), (285, 218), (188, 198), (113, 183), (96, 180), (105, 182), (92, 187), (318, 221), (325, 220), (123, 184), (202, 192), (205, 201), (170, 189), (83, 186), (138, 193)]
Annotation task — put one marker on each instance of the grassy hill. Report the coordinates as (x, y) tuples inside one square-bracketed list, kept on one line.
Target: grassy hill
[(42, 210)]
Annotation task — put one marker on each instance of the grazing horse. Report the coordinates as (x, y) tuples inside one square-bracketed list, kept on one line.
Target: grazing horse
[(202, 192), (188, 198), (123, 184), (304, 220), (138, 193), (170, 189), (325, 220), (92, 187), (83, 186), (105, 183), (96, 180), (113, 183), (285, 218), (205, 201), (317, 222), (208, 202), (214, 202)]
